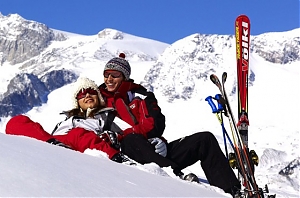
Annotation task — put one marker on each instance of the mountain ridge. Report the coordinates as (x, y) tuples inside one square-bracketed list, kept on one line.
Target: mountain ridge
[(34, 48)]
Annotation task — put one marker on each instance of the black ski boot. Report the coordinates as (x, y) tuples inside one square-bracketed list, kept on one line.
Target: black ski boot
[(121, 158), (235, 191), (191, 177)]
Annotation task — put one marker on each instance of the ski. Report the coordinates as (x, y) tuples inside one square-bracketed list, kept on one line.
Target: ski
[(244, 164), (243, 156), (243, 159), (242, 35)]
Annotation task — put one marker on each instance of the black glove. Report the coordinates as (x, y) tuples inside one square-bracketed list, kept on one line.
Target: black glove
[(121, 158), (57, 143), (112, 138)]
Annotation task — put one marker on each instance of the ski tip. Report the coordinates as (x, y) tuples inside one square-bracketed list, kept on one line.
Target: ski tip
[(224, 77), (213, 78), (242, 16)]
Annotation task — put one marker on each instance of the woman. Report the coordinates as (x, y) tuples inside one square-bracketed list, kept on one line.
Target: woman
[(139, 108), (79, 130)]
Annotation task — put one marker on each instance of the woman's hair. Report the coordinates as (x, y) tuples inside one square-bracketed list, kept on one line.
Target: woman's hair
[(84, 114)]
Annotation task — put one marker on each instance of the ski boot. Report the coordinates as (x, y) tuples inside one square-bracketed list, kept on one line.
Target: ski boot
[(190, 177), (232, 160), (254, 157)]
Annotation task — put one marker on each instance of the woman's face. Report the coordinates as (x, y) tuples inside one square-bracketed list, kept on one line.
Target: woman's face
[(88, 98), (113, 79)]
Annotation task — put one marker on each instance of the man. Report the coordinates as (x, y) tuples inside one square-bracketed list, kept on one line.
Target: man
[(143, 141)]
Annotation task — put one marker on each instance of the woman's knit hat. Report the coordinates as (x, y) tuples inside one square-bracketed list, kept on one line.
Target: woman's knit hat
[(119, 64), (84, 83)]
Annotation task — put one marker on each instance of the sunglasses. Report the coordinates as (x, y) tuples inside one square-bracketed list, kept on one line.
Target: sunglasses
[(83, 92), (114, 74)]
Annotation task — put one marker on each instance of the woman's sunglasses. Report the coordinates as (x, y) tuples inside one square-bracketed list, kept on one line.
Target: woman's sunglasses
[(83, 92), (114, 74)]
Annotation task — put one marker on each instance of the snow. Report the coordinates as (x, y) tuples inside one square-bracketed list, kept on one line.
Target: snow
[(36, 169), (33, 168)]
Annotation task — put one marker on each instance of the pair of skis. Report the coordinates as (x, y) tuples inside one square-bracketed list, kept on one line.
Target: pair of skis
[(245, 160)]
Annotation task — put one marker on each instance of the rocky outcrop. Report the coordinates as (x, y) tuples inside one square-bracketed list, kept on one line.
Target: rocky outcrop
[(23, 92), (26, 91), (22, 39), (278, 47), (58, 78), (110, 34)]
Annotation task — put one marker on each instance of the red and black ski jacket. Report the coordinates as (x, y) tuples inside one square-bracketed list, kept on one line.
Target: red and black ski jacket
[(138, 107)]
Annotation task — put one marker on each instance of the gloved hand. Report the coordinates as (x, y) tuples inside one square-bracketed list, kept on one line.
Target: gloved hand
[(160, 146), (112, 138)]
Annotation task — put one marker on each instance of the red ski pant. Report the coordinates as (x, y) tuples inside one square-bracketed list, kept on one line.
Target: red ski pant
[(77, 138)]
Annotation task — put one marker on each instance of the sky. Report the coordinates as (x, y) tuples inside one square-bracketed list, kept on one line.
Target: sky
[(166, 21)]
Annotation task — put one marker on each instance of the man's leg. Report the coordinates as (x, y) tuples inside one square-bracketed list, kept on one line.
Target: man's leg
[(138, 148), (203, 147)]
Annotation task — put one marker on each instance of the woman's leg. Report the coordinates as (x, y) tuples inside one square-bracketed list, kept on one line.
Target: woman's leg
[(23, 125)]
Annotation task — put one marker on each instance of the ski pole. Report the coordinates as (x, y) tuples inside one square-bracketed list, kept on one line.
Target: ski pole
[(221, 109), (211, 104), (217, 111)]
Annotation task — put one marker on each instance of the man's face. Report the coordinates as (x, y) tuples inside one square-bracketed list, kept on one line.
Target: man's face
[(113, 79)]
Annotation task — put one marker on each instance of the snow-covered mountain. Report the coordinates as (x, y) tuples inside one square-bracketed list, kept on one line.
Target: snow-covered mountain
[(32, 49), (22, 39), (39, 63), (179, 70), (184, 67)]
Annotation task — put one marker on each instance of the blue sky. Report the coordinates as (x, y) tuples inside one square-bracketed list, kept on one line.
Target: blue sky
[(162, 20)]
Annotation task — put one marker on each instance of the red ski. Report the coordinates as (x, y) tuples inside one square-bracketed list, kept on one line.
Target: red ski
[(242, 33), (245, 159)]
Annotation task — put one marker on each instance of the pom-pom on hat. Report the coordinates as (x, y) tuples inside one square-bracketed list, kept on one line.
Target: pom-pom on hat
[(84, 83), (119, 64)]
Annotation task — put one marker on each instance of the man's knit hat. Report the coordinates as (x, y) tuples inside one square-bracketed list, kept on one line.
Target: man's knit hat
[(119, 64), (84, 83)]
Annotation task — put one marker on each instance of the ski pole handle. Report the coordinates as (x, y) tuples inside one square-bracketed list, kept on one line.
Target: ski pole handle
[(218, 97), (211, 104)]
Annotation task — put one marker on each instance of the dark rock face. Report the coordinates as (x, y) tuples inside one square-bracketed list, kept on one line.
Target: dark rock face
[(26, 91)]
